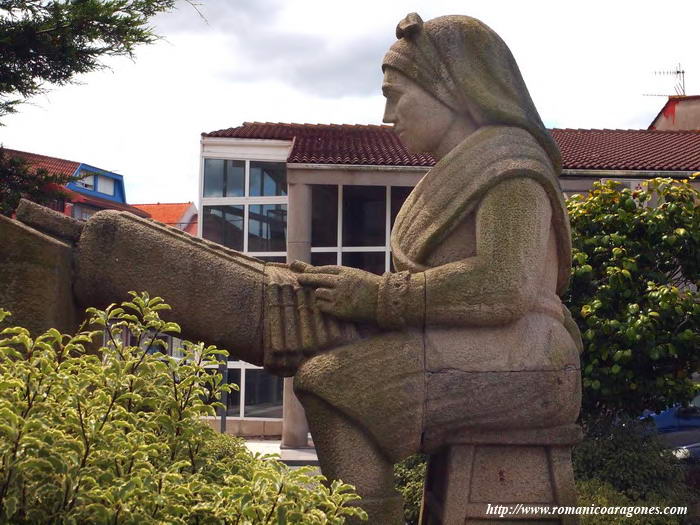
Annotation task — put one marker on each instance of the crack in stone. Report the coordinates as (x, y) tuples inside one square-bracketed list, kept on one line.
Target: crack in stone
[(568, 368)]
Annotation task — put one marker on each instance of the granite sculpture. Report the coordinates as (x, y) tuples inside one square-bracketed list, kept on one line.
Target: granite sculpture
[(465, 352)]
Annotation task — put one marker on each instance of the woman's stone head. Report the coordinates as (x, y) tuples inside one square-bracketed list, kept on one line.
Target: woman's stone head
[(465, 66)]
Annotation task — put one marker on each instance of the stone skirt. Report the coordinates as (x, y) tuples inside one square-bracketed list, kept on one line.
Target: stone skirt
[(410, 389)]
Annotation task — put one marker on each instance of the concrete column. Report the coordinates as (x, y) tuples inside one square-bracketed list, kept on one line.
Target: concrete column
[(295, 429)]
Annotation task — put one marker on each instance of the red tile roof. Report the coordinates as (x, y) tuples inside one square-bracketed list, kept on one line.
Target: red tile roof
[(103, 204), (170, 213), (50, 164), (617, 149), (584, 149), (333, 143), (191, 228)]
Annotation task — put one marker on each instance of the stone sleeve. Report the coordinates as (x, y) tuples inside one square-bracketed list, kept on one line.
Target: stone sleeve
[(401, 300)]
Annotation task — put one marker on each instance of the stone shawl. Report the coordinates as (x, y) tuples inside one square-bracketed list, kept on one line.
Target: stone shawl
[(453, 188)]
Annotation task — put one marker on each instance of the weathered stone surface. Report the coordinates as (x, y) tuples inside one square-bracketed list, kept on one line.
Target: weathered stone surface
[(48, 221), (35, 279), (531, 468), (216, 294), (474, 333), (465, 351)]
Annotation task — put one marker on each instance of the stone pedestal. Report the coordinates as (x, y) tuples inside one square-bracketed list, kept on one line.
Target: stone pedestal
[(523, 470), (295, 429)]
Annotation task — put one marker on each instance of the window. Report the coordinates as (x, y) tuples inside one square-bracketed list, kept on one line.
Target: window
[(324, 215), (268, 179), (86, 181), (272, 258), (244, 207), (374, 262), (105, 185), (267, 228), (398, 195), (224, 178), (324, 258), (248, 210), (224, 224), (82, 212), (233, 398), (366, 213), (263, 394)]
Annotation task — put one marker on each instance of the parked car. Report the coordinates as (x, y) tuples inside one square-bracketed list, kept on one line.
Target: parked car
[(678, 418)]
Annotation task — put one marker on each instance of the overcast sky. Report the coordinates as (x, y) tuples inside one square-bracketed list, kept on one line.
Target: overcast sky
[(587, 64)]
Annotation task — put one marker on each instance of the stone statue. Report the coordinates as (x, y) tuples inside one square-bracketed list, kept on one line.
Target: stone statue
[(465, 352)]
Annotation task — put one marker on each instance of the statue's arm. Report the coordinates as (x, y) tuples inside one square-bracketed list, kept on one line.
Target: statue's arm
[(497, 285)]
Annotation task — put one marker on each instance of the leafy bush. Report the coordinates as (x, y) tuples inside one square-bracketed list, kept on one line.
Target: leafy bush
[(593, 492), (409, 480), (628, 455), (115, 436), (634, 293), (20, 180)]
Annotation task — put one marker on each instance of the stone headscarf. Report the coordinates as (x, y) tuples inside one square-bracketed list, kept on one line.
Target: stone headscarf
[(465, 65)]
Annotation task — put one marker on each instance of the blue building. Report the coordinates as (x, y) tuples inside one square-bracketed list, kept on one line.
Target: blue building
[(95, 190)]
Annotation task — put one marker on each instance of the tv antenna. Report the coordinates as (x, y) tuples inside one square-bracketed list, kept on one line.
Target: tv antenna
[(679, 73)]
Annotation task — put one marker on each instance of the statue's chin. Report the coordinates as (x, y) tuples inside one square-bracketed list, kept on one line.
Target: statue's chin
[(418, 149)]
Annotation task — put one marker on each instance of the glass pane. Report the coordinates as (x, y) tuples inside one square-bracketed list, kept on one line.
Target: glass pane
[(263, 394), (324, 259), (83, 213), (224, 224), (267, 228), (364, 212), (398, 196), (177, 347), (224, 178), (370, 261), (214, 177), (105, 185), (324, 215), (268, 179), (87, 181), (233, 401), (271, 258)]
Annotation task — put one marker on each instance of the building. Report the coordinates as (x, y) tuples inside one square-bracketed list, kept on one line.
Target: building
[(96, 190), (329, 194), (680, 112), (180, 215)]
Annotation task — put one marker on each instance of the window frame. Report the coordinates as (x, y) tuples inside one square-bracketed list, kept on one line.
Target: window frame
[(246, 201), (339, 249)]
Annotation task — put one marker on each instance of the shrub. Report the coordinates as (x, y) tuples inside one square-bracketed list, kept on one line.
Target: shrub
[(628, 454), (409, 479), (634, 293), (593, 492), (115, 435)]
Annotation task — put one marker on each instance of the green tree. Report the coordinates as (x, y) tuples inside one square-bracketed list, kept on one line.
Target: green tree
[(115, 435), (634, 293), (19, 180), (51, 41)]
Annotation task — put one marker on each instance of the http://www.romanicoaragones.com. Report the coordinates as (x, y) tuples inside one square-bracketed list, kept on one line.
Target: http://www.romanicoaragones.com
[(521, 509)]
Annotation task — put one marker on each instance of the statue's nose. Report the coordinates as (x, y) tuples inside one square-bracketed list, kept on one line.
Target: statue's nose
[(389, 113)]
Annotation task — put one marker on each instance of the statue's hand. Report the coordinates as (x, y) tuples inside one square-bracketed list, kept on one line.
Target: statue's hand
[(347, 293)]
